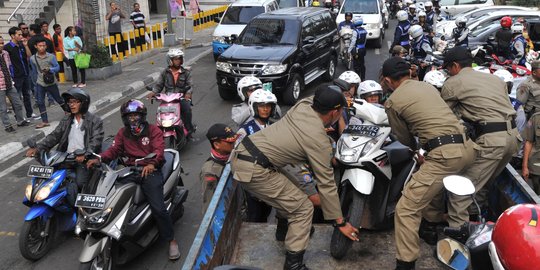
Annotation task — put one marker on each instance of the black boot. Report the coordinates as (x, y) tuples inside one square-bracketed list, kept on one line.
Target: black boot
[(294, 261), (428, 232), (401, 265), (282, 228)]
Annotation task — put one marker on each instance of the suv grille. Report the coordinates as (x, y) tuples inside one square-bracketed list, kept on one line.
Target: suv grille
[(246, 69)]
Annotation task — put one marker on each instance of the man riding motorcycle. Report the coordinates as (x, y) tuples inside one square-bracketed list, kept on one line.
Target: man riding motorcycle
[(518, 44), (347, 22), (431, 17), (401, 34), (371, 91), (176, 79), (412, 14), (460, 34), (353, 80), (503, 37), (136, 140), (421, 47), (78, 130)]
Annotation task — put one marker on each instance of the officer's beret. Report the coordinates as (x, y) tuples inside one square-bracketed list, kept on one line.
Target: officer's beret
[(221, 132), (456, 54), (329, 97), (395, 65)]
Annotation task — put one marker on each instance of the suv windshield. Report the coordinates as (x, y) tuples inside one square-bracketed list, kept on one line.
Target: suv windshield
[(241, 14), (287, 3), (270, 32), (360, 7)]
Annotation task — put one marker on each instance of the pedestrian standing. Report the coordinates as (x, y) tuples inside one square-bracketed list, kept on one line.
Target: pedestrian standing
[(18, 51), (137, 20), (481, 101), (7, 90), (46, 66), (37, 34), (115, 17), (415, 109), (528, 92), (72, 45), (25, 30), (531, 153), (44, 26), (357, 48), (298, 137)]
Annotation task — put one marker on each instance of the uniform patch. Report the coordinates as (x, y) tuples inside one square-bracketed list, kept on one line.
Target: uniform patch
[(307, 178), (145, 141), (388, 104)]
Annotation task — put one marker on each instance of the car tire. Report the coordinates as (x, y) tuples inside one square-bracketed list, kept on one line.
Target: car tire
[(294, 88), (330, 69), (378, 42), (226, 94)]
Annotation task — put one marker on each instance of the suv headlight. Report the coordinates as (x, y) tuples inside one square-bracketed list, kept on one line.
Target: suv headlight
[(271, 69), (219, 39), (223, 66), (372, 26)]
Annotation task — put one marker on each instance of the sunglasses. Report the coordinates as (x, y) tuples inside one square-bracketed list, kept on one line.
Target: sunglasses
[(24, 28)]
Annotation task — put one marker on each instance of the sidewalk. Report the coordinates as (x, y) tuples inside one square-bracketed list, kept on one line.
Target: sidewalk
[(131, 82)]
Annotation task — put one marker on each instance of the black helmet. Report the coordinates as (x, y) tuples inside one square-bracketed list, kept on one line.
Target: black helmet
[(348, 14), (134, 106), (78, 94)]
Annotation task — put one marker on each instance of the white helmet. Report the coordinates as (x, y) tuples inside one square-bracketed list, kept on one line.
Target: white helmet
[(461, 20), (351, 77), (173, 53), (504, 75), (416, 31), (422, 13), (482, 69), (261, 96), (402, 15), (369, 88), (428, 4), (517, 28), (408, 2), (248, 83), (412, 6), (435, 78)]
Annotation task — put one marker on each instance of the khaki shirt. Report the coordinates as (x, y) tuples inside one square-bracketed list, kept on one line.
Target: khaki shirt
[(476, 96), (416, 109), (299, 137), (210, 175), (528, 93), (531, 133)]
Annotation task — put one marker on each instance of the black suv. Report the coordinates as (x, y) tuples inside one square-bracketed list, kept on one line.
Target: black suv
[(288, 47)]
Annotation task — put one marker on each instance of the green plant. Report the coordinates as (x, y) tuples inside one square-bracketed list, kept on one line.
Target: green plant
[(526, 3), (100, 56)]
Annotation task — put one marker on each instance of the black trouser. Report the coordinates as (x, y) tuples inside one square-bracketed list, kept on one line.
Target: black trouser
[(359, 64), (186, 114), (23, 87), (141, 39), (121, 43), (257, 210), (74, 69), (152, 188)]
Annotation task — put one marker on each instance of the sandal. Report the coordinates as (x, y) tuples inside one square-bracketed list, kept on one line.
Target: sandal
[(42, 125)]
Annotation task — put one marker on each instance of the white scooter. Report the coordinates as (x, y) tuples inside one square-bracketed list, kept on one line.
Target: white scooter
[(376, 167)]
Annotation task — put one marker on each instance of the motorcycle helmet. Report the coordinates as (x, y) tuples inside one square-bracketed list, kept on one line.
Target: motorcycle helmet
[(416, 31), (328, 3), (506, 22), (532, 55), (357, 22), (402, 15), (258, 97), (174, 53), (408, 2), (369, 88), (348, 14), (136, 125), (435, 78), (80, 95), (248, 83), (461, 21), (428, 5), (421, 14), (507, 77), (516, 237), (517, 28), (412, 8), (351, 77), (482, 69), (398, 50), (315, 3)]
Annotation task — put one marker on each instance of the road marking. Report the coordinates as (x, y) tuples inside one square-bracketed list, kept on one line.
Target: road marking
[(377, 51), (389, 44), (3, 233)]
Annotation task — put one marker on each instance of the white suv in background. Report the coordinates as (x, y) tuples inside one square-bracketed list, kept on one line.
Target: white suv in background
[(372, 12)]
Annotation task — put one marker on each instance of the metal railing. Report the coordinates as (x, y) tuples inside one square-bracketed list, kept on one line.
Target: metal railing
[(29, 12)]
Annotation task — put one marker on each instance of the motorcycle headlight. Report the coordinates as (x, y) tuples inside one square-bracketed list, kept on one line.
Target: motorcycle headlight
[(223, 66), (167, 122), (100, 217), (219, 39), (368, 146), (43, 193), (520, 71), (348, 155), (271, 69), (28, 192)]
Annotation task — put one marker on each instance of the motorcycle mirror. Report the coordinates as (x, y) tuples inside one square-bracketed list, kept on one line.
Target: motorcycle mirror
[(453, 254), (458, 185)]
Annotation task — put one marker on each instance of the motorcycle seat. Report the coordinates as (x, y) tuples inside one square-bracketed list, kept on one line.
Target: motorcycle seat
[(167, 167), (398, 153)]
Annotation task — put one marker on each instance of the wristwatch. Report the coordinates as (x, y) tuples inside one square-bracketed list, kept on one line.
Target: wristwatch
[(342, 224)]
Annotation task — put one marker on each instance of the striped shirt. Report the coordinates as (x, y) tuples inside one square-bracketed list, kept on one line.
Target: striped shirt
[(137, 18)]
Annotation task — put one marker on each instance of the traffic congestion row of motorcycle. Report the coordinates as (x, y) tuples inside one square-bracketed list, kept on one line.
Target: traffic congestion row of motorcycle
[(114, 219)]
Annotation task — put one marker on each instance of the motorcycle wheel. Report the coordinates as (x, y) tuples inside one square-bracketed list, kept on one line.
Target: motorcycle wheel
[(99, 262), (35, 241), (352, 205)]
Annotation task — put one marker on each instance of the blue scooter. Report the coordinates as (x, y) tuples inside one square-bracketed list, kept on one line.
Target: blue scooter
[(46, 195)]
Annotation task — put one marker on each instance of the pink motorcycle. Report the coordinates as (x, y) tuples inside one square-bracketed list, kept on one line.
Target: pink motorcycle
[(169, 121)]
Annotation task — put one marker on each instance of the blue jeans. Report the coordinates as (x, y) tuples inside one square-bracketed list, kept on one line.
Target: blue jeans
[(23, 87), (40, 99)]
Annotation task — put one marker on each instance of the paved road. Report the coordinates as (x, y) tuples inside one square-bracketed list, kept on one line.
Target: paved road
[(208, 109)]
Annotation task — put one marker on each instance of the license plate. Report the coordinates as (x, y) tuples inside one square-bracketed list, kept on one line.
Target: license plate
[(362, 130), (40, 171), (168, 109), (90, 201)]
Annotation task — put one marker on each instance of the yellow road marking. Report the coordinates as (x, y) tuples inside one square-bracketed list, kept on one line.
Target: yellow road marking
[(4, 233)]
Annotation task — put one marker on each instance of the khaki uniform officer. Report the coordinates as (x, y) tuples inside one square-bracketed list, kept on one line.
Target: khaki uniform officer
[(482, 102), (416, 109), (531, 155), (299, 137), (222, 140), (528, 92)]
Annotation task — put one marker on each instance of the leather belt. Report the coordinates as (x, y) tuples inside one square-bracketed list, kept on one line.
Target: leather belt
[(442, 140), (489, 127)]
